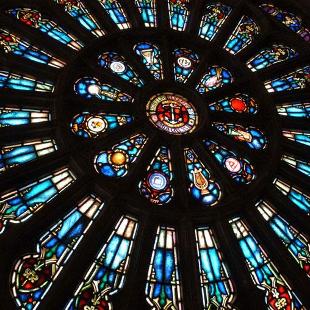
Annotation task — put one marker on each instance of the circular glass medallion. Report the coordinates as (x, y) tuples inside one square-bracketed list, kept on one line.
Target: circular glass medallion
[(184, 62), (97, 124), (118, 67), (172, 113), (157, 181), (232, 164)]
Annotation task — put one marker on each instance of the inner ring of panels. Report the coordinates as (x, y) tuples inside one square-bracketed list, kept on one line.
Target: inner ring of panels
[(71, 103), (152, 194)]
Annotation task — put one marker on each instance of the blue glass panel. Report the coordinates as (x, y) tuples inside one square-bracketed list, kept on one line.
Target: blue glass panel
[(19, 205), (214, 17), (269, 56), (300, 165), (202, 185), (35, 273), (156, 186), (240, 169), (147, 9), (119, 66), (107, 274), (178, 14), (117, 161), (90, 125), (91, 88), (253, 137), (215, 77), (242, 36)]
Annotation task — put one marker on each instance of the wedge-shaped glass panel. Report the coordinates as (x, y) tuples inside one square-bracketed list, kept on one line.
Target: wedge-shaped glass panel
[(107, 275), (19, 205), (24, 83), (11, 44), (298, 79), (214, 17), (202, 185), (298, 136), (240, 103), (265, 275), (239, 168), (242, 36), (253, 137), (117, 161), (294, 194), (119, 66), (92, 88), (77, 10), (34, 19), (163, 289), (296, 243), (151, 58), (91, 125), (23, 116), (270, 56), (156, 186), (288, 19), (13, 155), (185, 63), (215, 77), (300, 165), (116, 12), (295, 109), (178, 14), (217, 288), (148, 11), (34, 274)]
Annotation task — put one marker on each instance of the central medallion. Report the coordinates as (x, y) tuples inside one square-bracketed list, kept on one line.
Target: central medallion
[(172, 113)]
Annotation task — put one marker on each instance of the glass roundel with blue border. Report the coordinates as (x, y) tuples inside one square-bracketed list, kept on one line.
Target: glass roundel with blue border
[(139, 138)]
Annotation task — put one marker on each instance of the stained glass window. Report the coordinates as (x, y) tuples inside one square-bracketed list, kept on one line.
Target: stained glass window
[(294, 194), (148, 11), (156, 186), (77, 10), (214, 78), (216, 285), (253, 137), (116, 161), (296, 243), (214, 17), (240, 169), (300, 165), (116, 12), (13, 155), (298, 136), (265, 275), (295, 109), (185, 63), (21, 82), (290, 20), (10, 43), (22, 116), (202, 185), (242, 36), (91, 88), (178, 14), (151, 58), (269, 56), (298, 79), (91, 125), (240, 103), (119, 66), (163, 289), (34, 274), (107, 274), (34, 19), (20, 204)]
